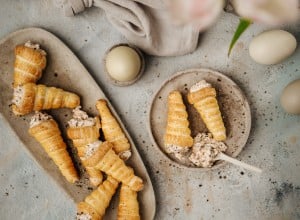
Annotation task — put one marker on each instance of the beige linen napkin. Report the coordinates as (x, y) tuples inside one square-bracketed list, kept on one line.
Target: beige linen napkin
[(145, 23)]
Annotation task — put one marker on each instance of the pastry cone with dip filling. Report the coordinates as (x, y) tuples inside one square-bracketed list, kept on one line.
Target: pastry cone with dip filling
[(94, 205), (177, 138), (83, 131), (128, 208), (46, 131), (31, 97), (29, 63), (112, 130), (106, 160), (203, 96)]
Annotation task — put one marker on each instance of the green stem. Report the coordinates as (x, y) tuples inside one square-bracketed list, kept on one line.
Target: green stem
[(243, 25)]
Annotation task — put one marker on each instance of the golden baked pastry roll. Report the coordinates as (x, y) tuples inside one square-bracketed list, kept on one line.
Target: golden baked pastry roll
[(128, 208), (83, 131), (203, 96), (94, 205), (31, 97), (177, 137), (112, 130), (30, 61), (106, 160), (46, 131)]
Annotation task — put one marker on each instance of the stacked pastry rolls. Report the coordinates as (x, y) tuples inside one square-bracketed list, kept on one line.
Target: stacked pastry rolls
[(30, 61), (97, 156), (84, 133)]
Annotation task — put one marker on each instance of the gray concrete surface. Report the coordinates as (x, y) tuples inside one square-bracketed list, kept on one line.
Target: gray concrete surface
[(228, 193)]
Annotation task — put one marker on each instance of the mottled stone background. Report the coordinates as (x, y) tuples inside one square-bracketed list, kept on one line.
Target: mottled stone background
[(26, 192)]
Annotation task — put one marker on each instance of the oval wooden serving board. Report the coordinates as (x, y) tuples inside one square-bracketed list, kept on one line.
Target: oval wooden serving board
[(63, 70)]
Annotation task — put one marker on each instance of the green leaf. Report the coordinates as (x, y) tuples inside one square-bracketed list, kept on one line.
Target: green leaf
[(243, 25)]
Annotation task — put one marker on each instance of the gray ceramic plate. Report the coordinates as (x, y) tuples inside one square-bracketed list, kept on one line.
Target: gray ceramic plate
[(63, 70), (233, 105)]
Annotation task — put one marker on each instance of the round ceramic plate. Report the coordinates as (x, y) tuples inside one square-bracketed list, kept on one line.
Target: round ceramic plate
[(232, 102)]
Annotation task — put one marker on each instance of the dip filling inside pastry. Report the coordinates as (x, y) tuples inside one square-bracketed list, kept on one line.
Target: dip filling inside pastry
[(205, 150), (200, 85), (92, 148), (81, 119), (38, 118), (35, 47), (18, 95), (83, 216)]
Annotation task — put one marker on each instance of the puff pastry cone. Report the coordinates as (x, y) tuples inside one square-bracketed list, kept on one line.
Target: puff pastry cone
[(106, 160), (203, 96), (30, 61), (112, 130), (46, 131), (178, 133), (94, 205), (83, 131), (128, 208), (31, 97)]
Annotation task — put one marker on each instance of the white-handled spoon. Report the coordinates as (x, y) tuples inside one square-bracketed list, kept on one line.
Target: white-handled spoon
[(234, 161)]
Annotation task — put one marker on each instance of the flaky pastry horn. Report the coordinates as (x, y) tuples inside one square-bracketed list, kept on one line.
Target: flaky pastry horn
[(46, 131), (29, 63), (112, 130), (31, 97), (203, 96), (128, 208), (106, 160), (94, 205), (178, 132), (83, 131)]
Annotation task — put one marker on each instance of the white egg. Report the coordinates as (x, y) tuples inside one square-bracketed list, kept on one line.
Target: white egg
[(123, 63), (272, 47), (290, 97)]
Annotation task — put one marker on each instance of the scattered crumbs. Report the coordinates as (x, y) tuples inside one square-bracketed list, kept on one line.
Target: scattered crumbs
[(37, 197), (219, 80), (207, 200), (242, 173), (220, 177), (177, 209), (6, 193), (282, 192), (157, 172), (224, 177), (66, 115), (200, 185), (90, 188), (55, 74), (159, 97)]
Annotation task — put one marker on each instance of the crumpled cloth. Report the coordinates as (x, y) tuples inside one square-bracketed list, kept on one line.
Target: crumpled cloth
[(145, 23)]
